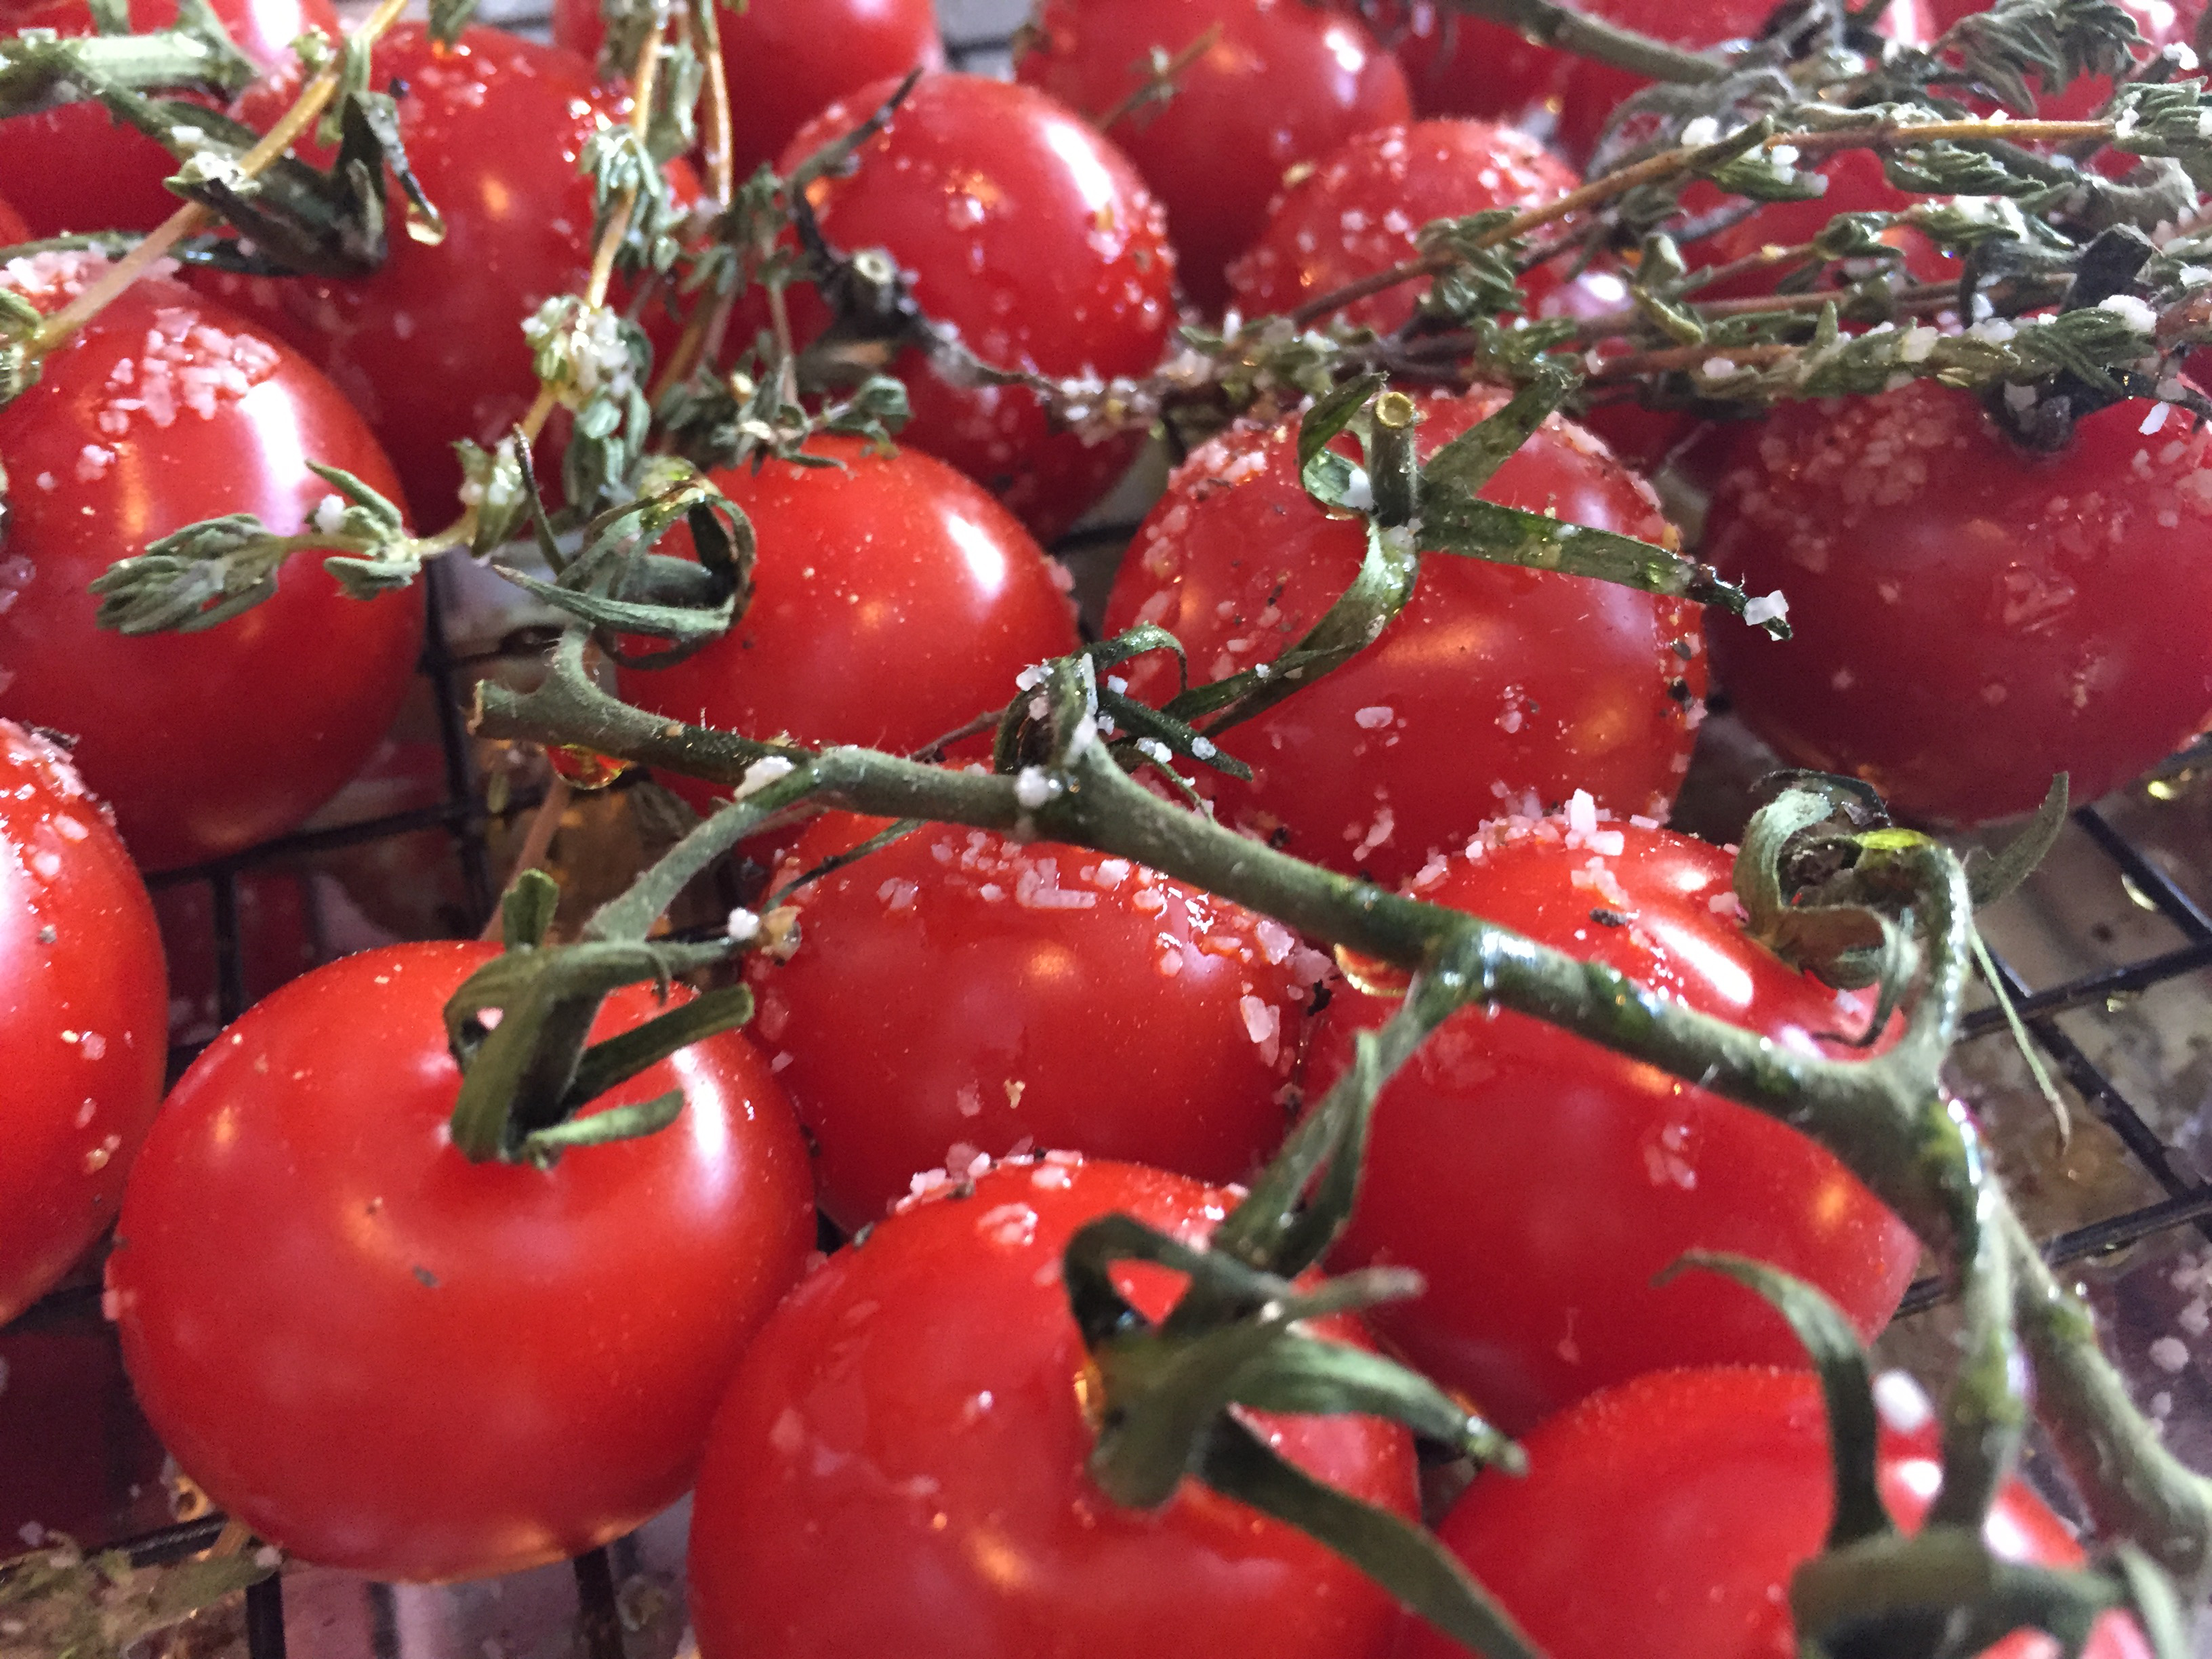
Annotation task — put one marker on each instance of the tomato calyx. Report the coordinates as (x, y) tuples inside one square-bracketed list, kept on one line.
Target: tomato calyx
[(1161, 1395), (1874, 1592), (1831, 886), (529, 1068)]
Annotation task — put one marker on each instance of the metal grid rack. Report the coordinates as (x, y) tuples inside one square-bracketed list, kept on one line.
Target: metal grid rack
[(2183, 1199)]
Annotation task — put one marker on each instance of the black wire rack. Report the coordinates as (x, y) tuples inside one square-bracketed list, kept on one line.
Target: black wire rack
[(464, 819)]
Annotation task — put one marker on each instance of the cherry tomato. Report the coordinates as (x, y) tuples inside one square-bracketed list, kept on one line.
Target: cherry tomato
[(75, 167), (305, 1267), (1022, 228), (1856, 185), (900, 1465), (83, 1017), (430, 348), (1540, 1181), (1664, 1517), (785, 61), (1494, 683), (1970, 619), (957, 994), (165, 409), (1360, 213), (893, 600), (1281, 83), (80, 1460)]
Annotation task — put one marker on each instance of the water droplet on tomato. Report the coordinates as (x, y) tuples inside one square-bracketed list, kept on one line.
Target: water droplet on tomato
[(584, 769), (1369, 974)]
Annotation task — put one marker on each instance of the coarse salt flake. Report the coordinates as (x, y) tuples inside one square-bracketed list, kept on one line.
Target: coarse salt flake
[(2131, 311), (760, 773)]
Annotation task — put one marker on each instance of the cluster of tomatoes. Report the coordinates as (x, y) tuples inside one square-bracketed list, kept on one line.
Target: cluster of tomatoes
[(383, 1355)]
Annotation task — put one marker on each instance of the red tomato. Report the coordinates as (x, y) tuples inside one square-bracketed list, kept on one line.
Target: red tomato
[(893, 600), (12, 227), (1856, 185), (1032, 235), (78, 1458), (1360, 212), (204, 744), (1664, 1517), (1540, 1181), (900, 1465), (305, 1267), (83, 1017), (430, 348), (1494, 682), (1284, 83), (786, 61), (76, 168), (1458, 64), (1970, 619), (957, 994)]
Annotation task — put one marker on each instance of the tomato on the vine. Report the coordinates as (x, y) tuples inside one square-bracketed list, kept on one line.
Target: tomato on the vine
[(1031, 236), (1359, 215), (1495, 682), (1970, 616), (893, 600), (900, 1466), (1664, 1517), (1539, 1182), (430, 348), (74, 167), (785, 61), (957, 994), (307, 1267), (164, 409), (1279, 83), (83, 1017)]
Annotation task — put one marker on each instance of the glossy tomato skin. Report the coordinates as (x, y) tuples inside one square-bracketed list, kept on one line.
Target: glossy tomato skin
[(1969, 618), (204, 744), (785, 62), (1665, 1516), (83, 1017), (75, 168), (903, 1456), (1284, 83), (893, 600), (1539, 1182), (1035, 238), (1360, 212), (306, 1266), (430, 348), (957, 994), (1492, 683)]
